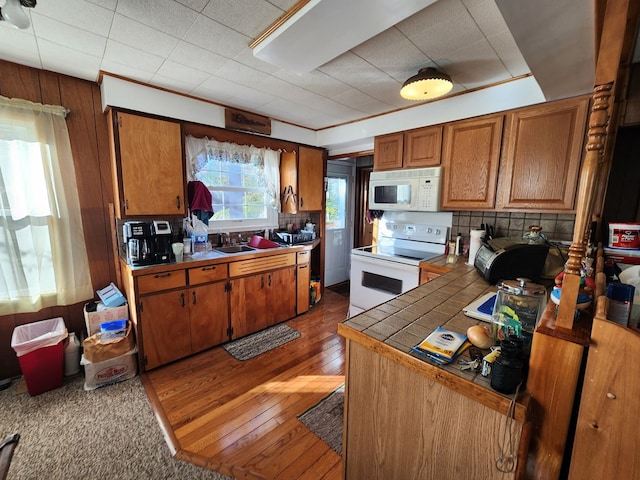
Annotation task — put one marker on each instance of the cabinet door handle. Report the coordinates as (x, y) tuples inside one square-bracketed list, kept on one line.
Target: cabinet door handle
[(204, 269), (301, 202), (303, 266), (269, 279), (194, 297), (182, 299), (178, 201), (162, 275), (261, 282)]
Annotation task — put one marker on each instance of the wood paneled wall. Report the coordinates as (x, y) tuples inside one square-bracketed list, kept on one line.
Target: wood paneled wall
[(90, 146)]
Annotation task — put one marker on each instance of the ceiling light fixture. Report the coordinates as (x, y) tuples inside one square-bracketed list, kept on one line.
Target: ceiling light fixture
[(428, 83), (13, 13)]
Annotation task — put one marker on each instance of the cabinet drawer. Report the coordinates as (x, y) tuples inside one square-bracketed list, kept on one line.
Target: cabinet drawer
[(303, 257), (246, 267), (208, 273), (161, 281)]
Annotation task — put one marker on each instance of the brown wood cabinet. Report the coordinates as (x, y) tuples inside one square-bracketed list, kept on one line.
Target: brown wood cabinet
[(422, 147), (302, 180), (418, 148), (387, 151), (148, 167), (470, 159), (543, 149), (177, 323), (263, 293), (303, 281)]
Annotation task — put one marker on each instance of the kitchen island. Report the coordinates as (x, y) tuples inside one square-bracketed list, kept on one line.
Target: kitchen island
[(406, 417)]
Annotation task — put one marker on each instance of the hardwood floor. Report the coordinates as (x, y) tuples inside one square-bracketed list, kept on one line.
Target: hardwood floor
[(240, 418)]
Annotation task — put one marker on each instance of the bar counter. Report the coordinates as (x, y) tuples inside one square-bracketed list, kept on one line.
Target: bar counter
[(453, 414)]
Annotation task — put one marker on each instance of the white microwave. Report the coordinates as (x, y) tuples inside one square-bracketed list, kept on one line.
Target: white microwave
[(415, 190)]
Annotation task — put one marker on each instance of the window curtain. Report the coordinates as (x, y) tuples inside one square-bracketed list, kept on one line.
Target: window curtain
[(43, 257), (202, 150)]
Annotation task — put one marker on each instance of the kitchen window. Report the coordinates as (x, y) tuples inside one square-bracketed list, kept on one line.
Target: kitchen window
[(43, 259), (243, 181)]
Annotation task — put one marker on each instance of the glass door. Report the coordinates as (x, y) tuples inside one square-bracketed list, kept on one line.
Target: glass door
[(338, 222)]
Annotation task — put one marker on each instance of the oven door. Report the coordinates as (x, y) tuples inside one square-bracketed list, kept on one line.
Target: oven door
[(376, 280)]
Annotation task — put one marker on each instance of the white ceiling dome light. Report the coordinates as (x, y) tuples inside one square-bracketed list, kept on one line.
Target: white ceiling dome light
[(428, 83)]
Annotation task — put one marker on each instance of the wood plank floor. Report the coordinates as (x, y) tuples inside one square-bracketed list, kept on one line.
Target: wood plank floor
[(240, 418)]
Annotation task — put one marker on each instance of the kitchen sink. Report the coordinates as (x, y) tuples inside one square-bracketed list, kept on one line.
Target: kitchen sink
[(234, 249)]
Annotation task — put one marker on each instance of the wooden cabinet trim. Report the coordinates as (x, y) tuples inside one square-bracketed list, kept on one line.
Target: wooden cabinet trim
[(256, 265)]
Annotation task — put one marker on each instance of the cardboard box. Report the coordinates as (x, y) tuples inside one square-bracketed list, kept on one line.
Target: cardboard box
[(98, 350), (114, 370), (93, 320)]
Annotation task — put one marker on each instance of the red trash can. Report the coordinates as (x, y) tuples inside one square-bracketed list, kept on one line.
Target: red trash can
[(39, 347)]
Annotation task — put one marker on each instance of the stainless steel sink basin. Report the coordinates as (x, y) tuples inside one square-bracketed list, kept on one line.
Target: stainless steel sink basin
[(234, 249)]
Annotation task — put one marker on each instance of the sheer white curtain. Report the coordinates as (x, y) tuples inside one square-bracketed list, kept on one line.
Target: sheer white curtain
[(200, 150), (43, 258)]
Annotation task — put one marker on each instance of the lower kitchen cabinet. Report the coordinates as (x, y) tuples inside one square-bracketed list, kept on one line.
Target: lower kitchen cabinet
[(261, 300), (303, 282), (209, 315), (166, 329)]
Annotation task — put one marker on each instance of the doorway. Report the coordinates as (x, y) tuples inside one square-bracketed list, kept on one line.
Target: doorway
[(338, 221)]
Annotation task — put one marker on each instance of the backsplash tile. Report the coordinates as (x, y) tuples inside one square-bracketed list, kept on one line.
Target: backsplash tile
[(508, 224)]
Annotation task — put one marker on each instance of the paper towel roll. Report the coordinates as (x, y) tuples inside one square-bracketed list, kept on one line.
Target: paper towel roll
[(474, 244)]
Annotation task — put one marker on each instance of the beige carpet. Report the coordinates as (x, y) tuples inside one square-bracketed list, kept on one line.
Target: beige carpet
[(69, 433)]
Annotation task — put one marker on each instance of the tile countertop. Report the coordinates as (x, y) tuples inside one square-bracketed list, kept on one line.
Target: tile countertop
[(396, 326)]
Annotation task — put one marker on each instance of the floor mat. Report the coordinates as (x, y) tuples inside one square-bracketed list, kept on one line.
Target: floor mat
[(258, 343), (325, 419)]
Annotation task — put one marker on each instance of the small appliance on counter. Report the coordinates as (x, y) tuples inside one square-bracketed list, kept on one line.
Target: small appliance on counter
[(148, 243), (507, 258)]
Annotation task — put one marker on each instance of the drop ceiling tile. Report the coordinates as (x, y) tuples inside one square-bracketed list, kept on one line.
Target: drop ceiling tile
[(234, 15), (197, 57), (392, 53), (351, 69), (488, 17), (246, 58), (475, 65), (435, 14), (179, 85), (19, 46), (68, 61), (110, 4), (78, 13), (315, 81), (217, 38), (240, 74), (182, 74), (220, 87), (126, 55), (285, 5), (113, 66), (505, 47), (165, 15), (197, 5), (437, 41), (353, 99), (138, 35), (68, 36)]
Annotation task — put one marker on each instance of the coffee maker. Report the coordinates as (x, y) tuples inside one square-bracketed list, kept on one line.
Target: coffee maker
[(148, 243)]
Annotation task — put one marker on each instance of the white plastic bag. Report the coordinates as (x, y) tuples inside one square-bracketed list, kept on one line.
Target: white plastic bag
[(199, 235), (33, 336)]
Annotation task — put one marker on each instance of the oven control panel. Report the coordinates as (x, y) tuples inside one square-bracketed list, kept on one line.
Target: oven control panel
[(414, 231)]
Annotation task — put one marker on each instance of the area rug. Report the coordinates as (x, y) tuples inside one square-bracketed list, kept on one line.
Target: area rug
[(261, 342), (325, 419), (106, 434)]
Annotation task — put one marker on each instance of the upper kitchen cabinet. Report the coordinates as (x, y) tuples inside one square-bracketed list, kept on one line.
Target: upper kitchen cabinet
[(470, 159), (302, 180), (542, 153), (422, 147), (387, 151), (148, 171), (417, 148)]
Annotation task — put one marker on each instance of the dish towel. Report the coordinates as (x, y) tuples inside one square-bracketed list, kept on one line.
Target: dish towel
[(199, 198)]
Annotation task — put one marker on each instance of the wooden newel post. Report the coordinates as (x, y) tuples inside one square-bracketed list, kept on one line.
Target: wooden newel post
[(598, 123)]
